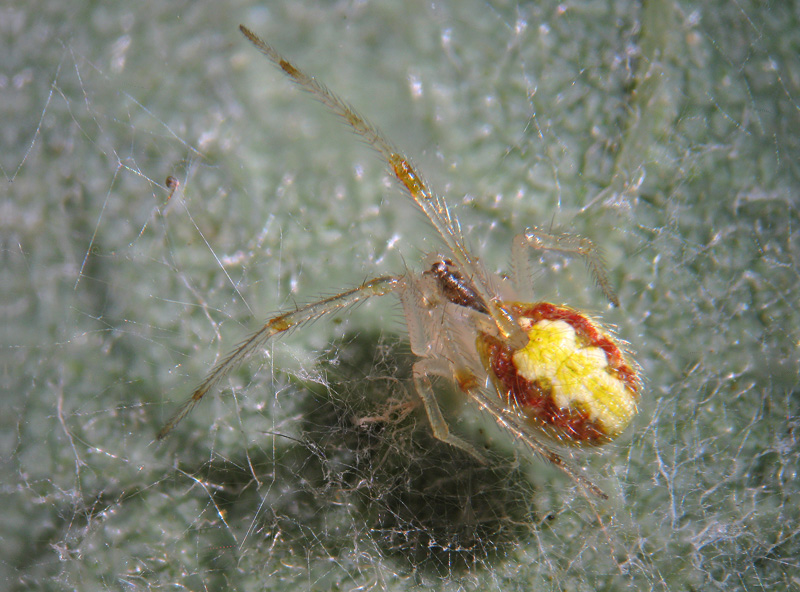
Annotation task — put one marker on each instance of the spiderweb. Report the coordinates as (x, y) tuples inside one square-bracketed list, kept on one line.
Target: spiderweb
[(666, 132)]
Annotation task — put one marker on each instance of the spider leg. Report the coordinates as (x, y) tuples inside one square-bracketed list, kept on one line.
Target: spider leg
[(422, 370), (564, 243), (427, 367), (415, 186), (509, 420), (280, 324)]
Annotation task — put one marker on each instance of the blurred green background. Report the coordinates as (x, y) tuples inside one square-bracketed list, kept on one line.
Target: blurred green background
[(665, 131)]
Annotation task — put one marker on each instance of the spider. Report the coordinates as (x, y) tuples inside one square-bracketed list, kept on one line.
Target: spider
[(546, 373)]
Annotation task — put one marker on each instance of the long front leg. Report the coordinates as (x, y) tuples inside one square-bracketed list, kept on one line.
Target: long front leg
[(280, 324)]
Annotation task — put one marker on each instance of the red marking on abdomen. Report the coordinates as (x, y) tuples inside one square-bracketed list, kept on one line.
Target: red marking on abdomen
[(535, 400), (588, 332)]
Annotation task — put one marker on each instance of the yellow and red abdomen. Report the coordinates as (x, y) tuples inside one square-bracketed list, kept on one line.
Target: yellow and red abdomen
[(571, 380)]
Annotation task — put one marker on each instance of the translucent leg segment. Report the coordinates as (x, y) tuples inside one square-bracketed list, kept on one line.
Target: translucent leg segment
[(422, 370), (564, 243), (517, 427), (280, 324)]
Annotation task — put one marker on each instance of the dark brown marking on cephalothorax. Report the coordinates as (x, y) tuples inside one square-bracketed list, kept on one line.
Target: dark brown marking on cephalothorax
[(455, 287)]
